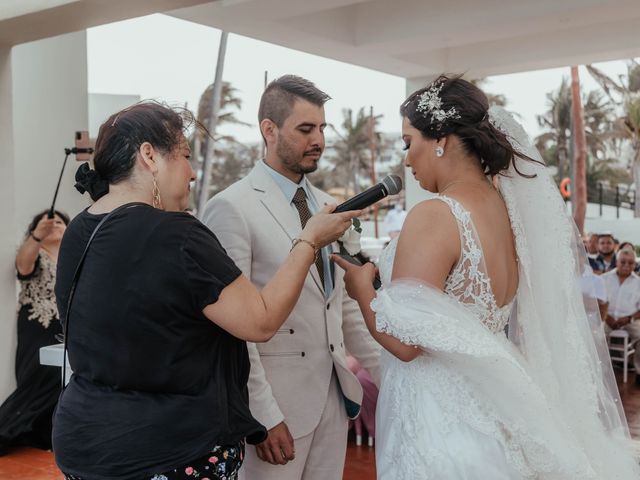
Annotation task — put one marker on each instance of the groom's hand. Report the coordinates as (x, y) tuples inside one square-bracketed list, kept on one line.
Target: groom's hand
[(278, 448)]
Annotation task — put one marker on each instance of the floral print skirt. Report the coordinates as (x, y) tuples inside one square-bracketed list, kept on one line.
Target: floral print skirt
[(222, 463)]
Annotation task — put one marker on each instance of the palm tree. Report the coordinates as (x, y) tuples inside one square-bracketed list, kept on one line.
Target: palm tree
[(494, 98), (352, 150), (605, 171), (625, 93), (604, 145), (554, 142), (233, 163), (580, 152), (230, 104)]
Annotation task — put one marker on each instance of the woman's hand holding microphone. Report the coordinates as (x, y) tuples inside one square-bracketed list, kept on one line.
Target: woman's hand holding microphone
[(326, 227)]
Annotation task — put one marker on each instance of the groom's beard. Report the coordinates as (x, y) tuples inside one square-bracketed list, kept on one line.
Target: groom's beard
[(294, 161)]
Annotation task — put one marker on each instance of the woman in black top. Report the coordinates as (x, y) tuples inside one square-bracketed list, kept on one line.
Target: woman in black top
[(25, 416), (157, 328)]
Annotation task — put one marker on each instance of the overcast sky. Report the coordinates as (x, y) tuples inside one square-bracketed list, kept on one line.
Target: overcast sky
[(174, 60)]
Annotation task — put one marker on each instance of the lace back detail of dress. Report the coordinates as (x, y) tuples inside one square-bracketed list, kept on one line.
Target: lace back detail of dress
[(468, 282)]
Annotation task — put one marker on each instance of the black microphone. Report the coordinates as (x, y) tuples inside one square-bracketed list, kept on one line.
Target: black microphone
[(390, 185)]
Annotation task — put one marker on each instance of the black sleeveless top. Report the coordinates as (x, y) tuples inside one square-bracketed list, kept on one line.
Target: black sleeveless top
[(155, 383)]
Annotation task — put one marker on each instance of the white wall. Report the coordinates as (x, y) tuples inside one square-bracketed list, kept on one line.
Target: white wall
[(102, 105), (7, 229), (43, 98), (50, 103)]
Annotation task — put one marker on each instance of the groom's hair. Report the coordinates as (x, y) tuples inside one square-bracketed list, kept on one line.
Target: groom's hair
[(280, 95)]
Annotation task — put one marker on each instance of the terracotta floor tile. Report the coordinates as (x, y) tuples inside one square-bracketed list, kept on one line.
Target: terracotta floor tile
[(32, 464)]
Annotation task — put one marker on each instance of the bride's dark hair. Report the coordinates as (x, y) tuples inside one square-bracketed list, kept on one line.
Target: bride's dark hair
[(463, 112)]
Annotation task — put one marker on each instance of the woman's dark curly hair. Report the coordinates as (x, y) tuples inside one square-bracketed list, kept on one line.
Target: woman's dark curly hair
[(468, 120), (120, 137)]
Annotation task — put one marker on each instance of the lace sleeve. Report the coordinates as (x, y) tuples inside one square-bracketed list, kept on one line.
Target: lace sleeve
[(420, 315)]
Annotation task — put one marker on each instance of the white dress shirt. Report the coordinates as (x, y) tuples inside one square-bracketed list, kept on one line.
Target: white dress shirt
[(593, 286), (624, 298)]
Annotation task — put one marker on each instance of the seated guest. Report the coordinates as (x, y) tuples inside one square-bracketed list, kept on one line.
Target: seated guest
[(623, 295), (157, 327), (25, 417), (606, 259), (627, 245), (593, 289), (591, 244), (630, 246)]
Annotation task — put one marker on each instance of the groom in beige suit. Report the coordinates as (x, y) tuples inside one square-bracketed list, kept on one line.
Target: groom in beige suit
[(300, 387)]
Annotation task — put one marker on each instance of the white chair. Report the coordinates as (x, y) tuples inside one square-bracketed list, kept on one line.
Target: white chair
[(620, 349)]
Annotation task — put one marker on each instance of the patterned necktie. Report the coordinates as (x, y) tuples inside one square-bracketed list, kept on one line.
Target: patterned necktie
[(300, 202)]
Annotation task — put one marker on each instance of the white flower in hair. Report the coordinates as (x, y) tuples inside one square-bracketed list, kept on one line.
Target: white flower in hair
[(430, 103)]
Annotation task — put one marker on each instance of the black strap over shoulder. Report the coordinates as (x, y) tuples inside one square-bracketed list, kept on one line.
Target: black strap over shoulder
[(74, 281)]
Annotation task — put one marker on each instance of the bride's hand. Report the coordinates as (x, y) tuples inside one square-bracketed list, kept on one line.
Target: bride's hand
[(358, 279)]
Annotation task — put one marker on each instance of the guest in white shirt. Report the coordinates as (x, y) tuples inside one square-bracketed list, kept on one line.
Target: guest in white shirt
[(593, 289), (394, 220), (623, 293)]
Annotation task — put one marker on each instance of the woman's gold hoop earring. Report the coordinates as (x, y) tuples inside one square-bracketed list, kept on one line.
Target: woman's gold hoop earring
[(439, 151), (157, 201)]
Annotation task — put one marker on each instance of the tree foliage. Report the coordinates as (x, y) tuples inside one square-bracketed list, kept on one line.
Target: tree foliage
[(350, 153), (223, 145), (624, 94), (604, 142)]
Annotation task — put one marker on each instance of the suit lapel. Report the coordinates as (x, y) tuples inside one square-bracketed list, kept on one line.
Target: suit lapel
[(279, 210)]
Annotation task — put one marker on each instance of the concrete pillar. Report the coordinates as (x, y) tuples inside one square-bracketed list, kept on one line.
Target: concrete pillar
[(50, 103), (415, 193), (8, 228), (43, 100)]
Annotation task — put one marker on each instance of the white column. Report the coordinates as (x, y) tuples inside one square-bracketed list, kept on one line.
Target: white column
[(43, 101), (414, 193), (7, 229), (50, 103)]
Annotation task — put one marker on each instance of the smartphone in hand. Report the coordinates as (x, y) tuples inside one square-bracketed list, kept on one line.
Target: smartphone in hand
[(376, 282)]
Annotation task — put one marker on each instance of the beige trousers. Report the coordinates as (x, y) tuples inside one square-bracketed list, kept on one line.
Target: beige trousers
[(319, 455)]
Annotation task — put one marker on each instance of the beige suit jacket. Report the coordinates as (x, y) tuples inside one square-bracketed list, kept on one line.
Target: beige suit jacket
[(290, 373)]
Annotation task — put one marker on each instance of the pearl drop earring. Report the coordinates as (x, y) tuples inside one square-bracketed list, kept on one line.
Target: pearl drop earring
[(439, 151)]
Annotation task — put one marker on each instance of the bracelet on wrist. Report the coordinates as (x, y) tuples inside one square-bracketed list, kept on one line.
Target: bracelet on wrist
[(297, 241), (34, 237)]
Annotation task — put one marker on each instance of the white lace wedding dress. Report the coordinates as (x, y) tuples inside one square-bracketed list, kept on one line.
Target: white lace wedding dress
[(476, 405), (438, 419)]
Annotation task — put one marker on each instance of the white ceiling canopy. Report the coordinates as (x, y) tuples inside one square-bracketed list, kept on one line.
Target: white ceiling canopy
[(23, 21), (413, 38), (409, 38)]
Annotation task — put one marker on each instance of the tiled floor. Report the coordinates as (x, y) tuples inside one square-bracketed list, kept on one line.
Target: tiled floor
[(361, 462), (28, 464), (31, 464)]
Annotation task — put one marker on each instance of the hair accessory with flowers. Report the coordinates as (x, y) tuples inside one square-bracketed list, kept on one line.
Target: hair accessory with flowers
[(430, 103)]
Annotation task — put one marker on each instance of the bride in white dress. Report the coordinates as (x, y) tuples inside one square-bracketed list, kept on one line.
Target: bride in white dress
[(494, 249)]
